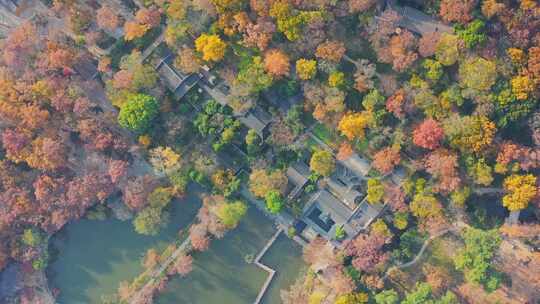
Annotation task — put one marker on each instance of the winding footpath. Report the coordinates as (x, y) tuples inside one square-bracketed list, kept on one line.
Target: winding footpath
[(457, 227)]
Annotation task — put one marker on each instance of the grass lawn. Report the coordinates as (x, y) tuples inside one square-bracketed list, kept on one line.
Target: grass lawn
[(326, 135)]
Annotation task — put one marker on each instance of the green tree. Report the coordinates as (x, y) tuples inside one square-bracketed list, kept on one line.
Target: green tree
[(421, 295), (433, 69), (253, 142), (472, 34), (387, 297), (230, 214), (252, 74), (138, 113), (475, 258), (150, 220), (322, 162), (274, 201)]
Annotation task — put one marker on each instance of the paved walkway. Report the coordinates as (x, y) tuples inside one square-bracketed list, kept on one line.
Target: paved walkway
[(140, 295), (271, 272)]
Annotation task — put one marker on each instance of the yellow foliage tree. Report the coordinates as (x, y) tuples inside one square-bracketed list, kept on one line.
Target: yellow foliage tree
[(261, 182), (522, 86), (352, 298), (336, 79), (516, 55), (164, 160), (477, 74), (521, 189), (306, 69), (447, 52), (134, 30), (211, 47), (322, 162), (353, 125)]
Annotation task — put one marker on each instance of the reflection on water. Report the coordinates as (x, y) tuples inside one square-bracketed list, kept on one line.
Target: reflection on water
[(95, 256)]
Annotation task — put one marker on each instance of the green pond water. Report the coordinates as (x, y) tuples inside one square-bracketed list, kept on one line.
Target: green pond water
[(94, 256)]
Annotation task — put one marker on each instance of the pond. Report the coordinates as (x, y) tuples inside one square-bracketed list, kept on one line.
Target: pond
[(285, 256), (94, 256)]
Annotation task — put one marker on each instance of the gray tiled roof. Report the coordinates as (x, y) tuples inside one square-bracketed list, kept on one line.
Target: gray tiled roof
[(357, 164)]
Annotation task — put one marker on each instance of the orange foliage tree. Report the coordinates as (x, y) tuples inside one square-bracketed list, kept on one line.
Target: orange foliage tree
[(276, 63)]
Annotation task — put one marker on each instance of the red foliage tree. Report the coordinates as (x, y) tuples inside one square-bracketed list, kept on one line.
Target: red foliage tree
[(117, 170), (428, 134), (183, 265), (394, 196), (457, 10), (136, 191), (427, 44), (443, 165), (367, 252), (198, 237), (259, 34), (356, 6), (402, 48)]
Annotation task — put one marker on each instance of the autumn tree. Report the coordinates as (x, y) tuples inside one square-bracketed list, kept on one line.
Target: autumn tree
[(477, 74), (353, 125), (106, 18), (470, 133), (457, 10), (331, 50), (375, 191), (164, 160), (134, 30), (276, 63), (345, 151), (138, 113), (437, 277), (386, 160), (187, 60), (211, 47), (306, 69), (425, 206), (447, 49), (402, 48), (367, 252), (259, 34), (427, 45), (231, 213), (326, 103), (320, 255), (356, 6), (150, 221), (261, 182), (395, 104), (491, 8), (183, 265), (428, 134), (443, 166), (521, 189), (322, 162)]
